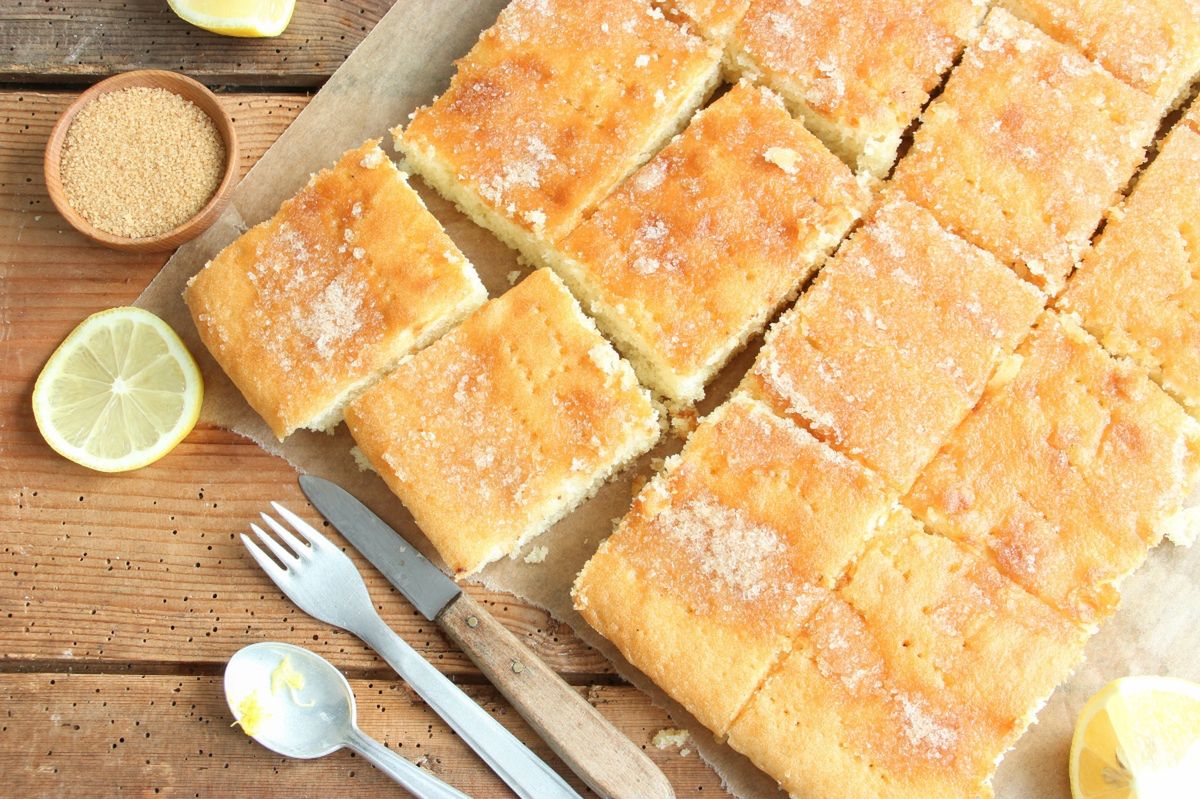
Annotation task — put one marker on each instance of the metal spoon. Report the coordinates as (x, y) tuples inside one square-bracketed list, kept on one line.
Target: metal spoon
[(314, 715)]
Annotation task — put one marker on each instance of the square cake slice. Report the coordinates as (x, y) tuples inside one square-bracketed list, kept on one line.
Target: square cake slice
[(725, 554), (912, 680), (1068, 471), (858, 73), (1153, 45), (1026, 148), (504, 425), (351, 275), (894, 342), (1138, 290), (725, 222), (557, 103)]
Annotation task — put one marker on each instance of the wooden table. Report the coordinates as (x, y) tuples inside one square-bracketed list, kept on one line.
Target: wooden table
[(122, 596)]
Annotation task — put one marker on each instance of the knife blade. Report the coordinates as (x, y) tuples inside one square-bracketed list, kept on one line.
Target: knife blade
[(422, 583), (610, 763)]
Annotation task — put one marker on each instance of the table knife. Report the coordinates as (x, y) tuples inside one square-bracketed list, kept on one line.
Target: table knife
[(609, 762)]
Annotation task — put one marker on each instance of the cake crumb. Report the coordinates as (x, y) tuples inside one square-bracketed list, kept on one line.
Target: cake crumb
[(513, 276), (537, 554), (670, 737), (783, 157), (360, 459), (684, 422), (372, 159)]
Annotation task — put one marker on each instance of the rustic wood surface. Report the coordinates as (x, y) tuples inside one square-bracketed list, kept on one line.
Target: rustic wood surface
[(76, 42), (122, 596)]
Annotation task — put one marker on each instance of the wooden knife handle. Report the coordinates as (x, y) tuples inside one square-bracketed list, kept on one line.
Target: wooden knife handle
[(612, 765)]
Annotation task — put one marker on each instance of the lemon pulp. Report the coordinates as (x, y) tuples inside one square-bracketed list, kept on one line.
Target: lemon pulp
[(245, 18), (1138, 738), (119, 393)]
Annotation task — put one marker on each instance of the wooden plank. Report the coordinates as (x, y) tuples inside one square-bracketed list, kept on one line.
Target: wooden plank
[(108, 735), (145, 568), (74, 41)]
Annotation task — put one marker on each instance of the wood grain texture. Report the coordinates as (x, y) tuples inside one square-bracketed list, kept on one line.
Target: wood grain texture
[(596, 751), (72, 41), (101, 736)]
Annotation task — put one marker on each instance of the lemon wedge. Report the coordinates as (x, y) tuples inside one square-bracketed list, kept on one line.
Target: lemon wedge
[(119, 393), (245, 18), (1138, 738)]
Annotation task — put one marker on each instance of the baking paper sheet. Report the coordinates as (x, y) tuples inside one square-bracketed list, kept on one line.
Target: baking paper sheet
[(403, 63)]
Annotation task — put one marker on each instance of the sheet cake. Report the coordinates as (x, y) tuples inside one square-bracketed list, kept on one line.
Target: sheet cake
[(858, 73), (724, 555), (351, 275), (1153, 45), (893, 343), (726, 222), (552, 108), (912, 680), (1137, 290), (1025, 149), (1067, 471), (504, 425)]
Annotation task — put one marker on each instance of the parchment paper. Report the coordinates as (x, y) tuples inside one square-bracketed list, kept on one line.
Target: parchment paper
[(403, 63)]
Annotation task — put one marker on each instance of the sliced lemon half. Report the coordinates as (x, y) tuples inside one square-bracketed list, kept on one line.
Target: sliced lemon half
[(119, 393), (1138, 738), (245, 18)]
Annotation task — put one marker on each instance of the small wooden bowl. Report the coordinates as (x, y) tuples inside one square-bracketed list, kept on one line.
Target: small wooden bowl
[(189, 90)]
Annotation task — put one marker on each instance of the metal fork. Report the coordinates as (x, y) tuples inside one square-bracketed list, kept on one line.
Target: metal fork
[(323, 582)]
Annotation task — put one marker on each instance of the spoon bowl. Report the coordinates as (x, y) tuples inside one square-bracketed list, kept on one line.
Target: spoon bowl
[(297, 704), (306, 722)]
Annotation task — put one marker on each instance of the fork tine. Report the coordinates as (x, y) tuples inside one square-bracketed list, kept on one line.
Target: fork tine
[(302, 527), (284, 557), (273, 570), (295, 544)]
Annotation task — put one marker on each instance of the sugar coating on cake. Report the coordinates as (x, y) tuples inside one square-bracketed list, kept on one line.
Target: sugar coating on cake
[(552, 108), (351, 275), (504, 425), (894, 342), (712, 18), (1025, 149), (1067, 471), (700, 247), (912, 680), (858, 73), (725, 554), (1153, 45), (1137, 290)]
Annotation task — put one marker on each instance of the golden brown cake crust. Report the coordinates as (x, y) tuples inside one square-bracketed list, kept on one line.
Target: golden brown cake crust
[(1153, 45), (540, 128), (726, 222), (1027, 146), (892, 345), (867, 68), (733, 543), (485, 434), (912, 680), (345, 279), (1137, 290), (1065, 471)]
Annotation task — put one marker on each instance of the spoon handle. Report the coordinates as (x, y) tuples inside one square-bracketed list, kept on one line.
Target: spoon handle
[(420, 784)]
